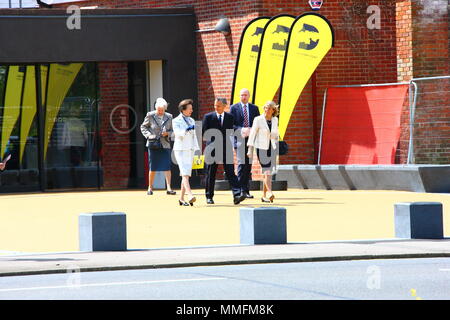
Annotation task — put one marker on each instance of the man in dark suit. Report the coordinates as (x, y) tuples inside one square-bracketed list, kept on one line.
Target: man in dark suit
[(218, 132), (243, 113)]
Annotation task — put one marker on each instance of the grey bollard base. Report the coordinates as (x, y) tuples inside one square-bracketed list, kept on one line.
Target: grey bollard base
[(419, 220), (102, 231), (266, 225)]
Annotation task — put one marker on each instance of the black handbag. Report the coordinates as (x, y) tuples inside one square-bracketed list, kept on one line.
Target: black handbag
[(283, 148), (155, 144)]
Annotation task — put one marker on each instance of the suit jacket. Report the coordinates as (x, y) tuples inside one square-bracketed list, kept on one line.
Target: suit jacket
[(184, 140), (151, 129), (238, 114), (260, 134), (211, 121)]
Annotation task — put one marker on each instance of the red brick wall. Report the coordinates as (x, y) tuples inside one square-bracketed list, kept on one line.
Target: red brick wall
[(430, 38), (412, 40), (431, 58), (404, 68), (115, 142)]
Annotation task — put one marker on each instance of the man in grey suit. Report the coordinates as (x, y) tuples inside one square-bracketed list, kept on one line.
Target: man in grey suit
[(243, 113)]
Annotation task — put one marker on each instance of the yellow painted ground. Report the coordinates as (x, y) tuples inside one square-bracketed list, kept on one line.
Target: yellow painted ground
[(48, 222)]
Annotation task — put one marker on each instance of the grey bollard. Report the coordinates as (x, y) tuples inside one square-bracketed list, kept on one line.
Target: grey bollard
[(103, 231), (419, 220), (263, 225)]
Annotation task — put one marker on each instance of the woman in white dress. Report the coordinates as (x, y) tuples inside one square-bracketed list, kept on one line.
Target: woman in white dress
[(184, 147), (264, 137)]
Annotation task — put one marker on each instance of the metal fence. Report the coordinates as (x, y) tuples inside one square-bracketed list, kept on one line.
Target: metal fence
[(430, 121)]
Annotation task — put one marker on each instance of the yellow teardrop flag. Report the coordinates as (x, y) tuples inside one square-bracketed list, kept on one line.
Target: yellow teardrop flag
[(249, 48), (271, 59), (28, 107), (11, 111), (310, 40), (61, 78)]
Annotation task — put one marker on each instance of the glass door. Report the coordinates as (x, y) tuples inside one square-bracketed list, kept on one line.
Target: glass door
[(70, 127), (52, 143), (19, 134)]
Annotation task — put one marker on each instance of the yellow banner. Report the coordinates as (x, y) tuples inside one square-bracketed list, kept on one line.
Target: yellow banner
[(61, 78), (11, 111), (29, 105), (310, 40), (249, 48), (271, 59)]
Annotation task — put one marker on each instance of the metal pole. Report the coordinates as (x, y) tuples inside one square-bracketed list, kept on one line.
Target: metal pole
[(40, 116), (412, 109), (321, 126), (431, 78), (10, 4), (371, 85)]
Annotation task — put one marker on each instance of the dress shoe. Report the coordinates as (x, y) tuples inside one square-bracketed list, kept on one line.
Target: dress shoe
[(265, 200), (239, 199), (192, 200), (209, 201), (183, 203), (248, 195), (149, 192), (171, 192)]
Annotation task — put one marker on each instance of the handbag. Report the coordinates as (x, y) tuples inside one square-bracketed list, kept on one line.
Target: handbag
[(155, 144), (198, 162), (283, 148)]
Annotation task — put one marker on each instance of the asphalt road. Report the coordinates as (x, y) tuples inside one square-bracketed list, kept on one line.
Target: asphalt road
[(404, 279)]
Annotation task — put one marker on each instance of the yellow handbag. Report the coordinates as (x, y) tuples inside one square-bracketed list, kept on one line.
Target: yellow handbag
[(198, 162)]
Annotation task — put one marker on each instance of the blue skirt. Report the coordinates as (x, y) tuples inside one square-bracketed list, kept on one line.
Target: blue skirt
[(159, 159)]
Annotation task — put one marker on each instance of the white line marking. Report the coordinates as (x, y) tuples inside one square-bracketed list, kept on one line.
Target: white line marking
[(110, 284)]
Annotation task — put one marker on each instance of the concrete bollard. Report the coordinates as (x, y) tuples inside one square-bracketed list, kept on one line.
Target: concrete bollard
[(419, 220), (263, 225), (102, 231)]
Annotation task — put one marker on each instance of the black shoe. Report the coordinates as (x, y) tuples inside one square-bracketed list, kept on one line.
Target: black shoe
[(149, 192), (239, 199), (248, 195), (192, 200), (171, 192), (183, 203), (265, 200), (209, 201)]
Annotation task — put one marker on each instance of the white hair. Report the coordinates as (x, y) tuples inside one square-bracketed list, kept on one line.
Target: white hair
[(160, 102)]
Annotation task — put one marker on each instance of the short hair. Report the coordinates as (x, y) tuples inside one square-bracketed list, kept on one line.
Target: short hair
[(161, 102), (244, 89), (274, 106), (222, 100), (184, 103)]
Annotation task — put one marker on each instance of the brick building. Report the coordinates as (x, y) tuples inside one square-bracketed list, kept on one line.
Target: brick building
[(411, 41)]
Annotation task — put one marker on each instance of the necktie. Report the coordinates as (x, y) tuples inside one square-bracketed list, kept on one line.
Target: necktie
[(246, 122), (220, 119)]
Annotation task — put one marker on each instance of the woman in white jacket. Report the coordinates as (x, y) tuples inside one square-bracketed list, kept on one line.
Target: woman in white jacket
[(184, 147), (264, 138)]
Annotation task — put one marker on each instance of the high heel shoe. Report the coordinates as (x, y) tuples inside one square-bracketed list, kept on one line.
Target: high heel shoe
[(183, 203), (192, 200), (271, 197), (265, 200)]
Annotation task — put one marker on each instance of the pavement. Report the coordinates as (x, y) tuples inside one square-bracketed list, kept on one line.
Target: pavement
[(66, 262), (39, 232)]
